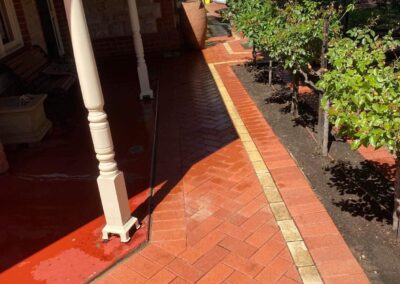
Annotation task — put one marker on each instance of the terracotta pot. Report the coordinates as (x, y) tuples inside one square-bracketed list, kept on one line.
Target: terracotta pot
[(194, 23), (3, 160)]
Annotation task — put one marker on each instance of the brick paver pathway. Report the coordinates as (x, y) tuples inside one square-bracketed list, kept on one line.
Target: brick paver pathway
[(230, 204)]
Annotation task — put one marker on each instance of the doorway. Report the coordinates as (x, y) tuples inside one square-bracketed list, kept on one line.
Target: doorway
[(50, 28)]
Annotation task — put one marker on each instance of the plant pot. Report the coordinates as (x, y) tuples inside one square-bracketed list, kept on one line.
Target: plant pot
[(22, 119), (3, 160), (194, 23)]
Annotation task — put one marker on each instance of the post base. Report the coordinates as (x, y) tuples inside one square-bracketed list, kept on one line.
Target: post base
[(146, 94), (122, 231)]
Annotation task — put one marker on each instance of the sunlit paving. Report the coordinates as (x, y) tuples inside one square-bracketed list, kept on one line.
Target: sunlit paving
[(199, 141)]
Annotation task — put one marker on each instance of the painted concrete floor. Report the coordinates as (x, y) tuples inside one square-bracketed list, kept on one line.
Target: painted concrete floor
[(51, 216)]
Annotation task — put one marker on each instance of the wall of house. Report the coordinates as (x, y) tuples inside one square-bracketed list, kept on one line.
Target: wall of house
[(168, 34), (63, 25), (110, 27), (22, 22), (32, 20)]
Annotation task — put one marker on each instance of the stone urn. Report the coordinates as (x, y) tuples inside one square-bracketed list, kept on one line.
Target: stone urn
[(22, 119), (3, 160), (194, 23)]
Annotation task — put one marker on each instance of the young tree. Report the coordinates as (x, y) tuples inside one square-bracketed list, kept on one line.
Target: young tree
[(295, 37), (289, 32), (364, 94), (251, 17)]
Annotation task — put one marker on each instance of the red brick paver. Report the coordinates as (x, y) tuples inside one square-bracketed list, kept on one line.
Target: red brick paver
[(384, 162), (328, 249), (211, 221)]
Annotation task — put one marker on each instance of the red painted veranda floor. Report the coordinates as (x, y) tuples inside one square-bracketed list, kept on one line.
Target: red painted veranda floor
[(51, 216)]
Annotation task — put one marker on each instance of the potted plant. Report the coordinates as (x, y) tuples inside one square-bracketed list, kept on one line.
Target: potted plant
[(194, 23)]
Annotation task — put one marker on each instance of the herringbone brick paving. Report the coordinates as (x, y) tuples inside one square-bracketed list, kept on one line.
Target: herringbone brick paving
[(211, 222)]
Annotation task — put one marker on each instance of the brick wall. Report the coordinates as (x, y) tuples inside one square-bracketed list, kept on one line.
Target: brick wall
[(63, 25), (22, 22), (110, 25), (167, 36), (34, 25), (110, 29)]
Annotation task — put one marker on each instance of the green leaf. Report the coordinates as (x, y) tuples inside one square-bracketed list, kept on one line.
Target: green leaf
[(355, 145)]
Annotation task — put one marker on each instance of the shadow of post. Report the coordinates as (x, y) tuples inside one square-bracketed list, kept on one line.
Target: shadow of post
[(193, 124)]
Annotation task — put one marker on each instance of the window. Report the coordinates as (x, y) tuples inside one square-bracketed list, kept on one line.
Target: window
[(10, 34)]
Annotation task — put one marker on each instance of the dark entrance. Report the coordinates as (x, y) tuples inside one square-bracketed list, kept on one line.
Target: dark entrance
[(47, 19)]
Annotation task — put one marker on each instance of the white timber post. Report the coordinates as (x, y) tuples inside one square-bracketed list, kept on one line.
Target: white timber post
[(145, 90), (111, 182)]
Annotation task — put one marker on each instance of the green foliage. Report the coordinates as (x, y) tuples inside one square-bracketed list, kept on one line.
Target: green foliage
[(387, 17), (289, 32), (361, 88), (251, 17), (297, 35), (364, 90)]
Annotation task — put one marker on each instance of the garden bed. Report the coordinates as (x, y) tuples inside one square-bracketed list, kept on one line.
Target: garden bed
[(355, 192)]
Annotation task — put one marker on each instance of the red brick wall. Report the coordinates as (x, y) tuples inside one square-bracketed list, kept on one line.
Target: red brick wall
[(63, 25), (124, 45), (113, 46), (167, 22), (167, 37), (22, 23)]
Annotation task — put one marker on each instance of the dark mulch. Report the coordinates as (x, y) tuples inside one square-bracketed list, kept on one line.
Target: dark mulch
[(356, 194)]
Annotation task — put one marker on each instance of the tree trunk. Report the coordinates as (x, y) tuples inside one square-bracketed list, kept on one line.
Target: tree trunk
[(323, 119), (325, 139), (270, 71), (345, 21), (323, 128), (396, 209), (295, 96), (254, 54), (320, 127)]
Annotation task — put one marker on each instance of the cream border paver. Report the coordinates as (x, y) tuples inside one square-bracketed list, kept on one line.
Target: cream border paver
[(231, 51), (301, 256)]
